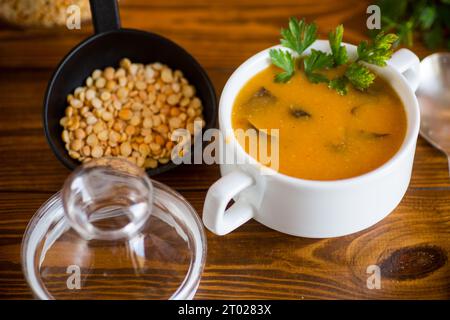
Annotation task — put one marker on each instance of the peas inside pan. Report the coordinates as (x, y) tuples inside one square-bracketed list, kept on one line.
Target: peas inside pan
[(107, 47)]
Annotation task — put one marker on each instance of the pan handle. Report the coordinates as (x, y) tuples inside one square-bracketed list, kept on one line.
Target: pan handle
[(105, 15)]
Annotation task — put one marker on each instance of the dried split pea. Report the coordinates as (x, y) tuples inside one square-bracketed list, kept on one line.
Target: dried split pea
[(97, 152)]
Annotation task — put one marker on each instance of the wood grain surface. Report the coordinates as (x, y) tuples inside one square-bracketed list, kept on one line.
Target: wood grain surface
[(411, 245)]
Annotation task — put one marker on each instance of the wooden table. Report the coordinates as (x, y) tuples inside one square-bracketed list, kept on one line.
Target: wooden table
[(411, 245)]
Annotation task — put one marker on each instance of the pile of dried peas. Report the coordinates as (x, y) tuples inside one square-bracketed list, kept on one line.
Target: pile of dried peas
[(130, 112)]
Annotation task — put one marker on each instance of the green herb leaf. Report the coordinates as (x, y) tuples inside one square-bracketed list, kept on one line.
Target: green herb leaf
[(359, 76), (405, 33), (299, 36), (394, 9), (379, 51), (317, 60), (427, 17), (339, 51), (284, 60), (339, 84)]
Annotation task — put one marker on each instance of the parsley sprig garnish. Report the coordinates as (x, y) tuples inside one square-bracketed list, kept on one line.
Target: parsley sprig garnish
[(339, 84), (379, 50), (359, 76), (300, 35), (339, 52), (284, 60), (377, 53), (317, 60)]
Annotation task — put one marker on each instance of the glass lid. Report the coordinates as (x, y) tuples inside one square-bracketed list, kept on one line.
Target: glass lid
[(112, 233)]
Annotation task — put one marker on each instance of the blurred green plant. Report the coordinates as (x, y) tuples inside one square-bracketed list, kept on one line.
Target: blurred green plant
[(430, 18)]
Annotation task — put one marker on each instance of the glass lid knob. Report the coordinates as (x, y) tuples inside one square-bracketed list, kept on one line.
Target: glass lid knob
[(107, 199)]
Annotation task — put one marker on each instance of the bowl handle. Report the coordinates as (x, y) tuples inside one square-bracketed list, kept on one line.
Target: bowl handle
[(216, 217), (105, 15), (408, 64)]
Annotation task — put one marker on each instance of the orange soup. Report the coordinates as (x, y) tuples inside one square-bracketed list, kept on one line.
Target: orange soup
[(323, 135)]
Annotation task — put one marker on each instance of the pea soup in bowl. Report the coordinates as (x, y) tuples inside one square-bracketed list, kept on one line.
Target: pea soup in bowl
[(322, 135), (345, 161)]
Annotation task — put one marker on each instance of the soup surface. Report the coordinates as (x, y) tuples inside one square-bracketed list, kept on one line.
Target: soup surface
[(322, 135)]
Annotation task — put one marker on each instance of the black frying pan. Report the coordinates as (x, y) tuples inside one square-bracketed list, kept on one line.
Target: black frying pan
[(106, 47)]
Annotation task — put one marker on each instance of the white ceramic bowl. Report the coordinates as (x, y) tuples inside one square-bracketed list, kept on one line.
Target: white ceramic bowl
[(307, 208)]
